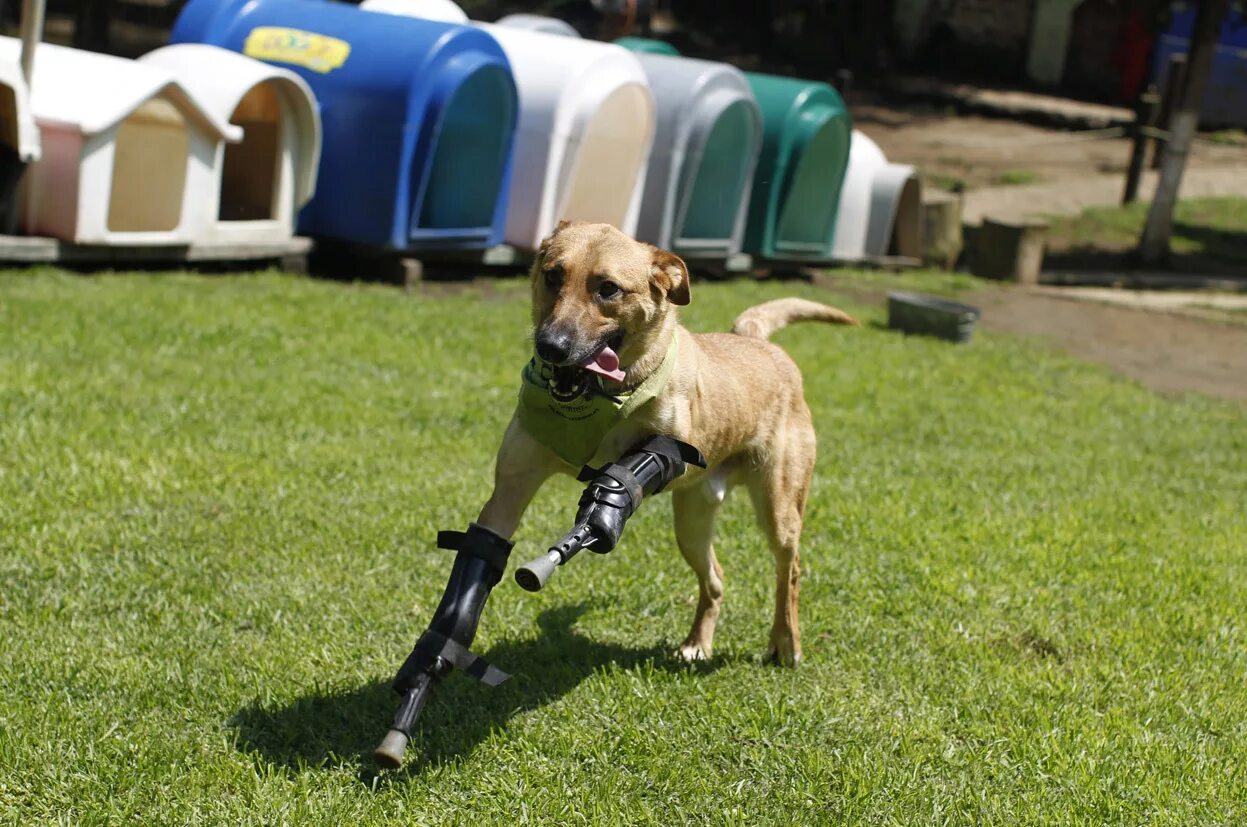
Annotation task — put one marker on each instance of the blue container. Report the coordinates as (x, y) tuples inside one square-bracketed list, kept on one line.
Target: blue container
[(419, 117), (1225, 96)]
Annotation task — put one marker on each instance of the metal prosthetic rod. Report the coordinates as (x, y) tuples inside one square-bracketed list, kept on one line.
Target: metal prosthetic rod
[(534, 574), (613, 495), (479, 564)]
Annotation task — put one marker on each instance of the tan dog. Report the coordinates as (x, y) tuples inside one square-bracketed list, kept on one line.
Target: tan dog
[(735, 396)]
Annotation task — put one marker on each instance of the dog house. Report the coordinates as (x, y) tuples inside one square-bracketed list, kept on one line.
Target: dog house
[(880, 209), (705, 148), (19, 138), (262, 180), (418, 117), (646, 45), (796, 185), (585, 130), (443, 10), (127, 153), (537, 23)]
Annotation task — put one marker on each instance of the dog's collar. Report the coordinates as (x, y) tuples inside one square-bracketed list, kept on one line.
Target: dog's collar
[(573, 424)]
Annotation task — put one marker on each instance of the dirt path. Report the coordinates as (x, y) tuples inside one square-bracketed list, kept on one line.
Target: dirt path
[(1050, 170), (1071, 197), (1161, 349), (1164, 351)]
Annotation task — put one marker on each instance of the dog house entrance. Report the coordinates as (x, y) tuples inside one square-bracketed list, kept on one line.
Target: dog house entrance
[(710, 214), (150, 153), (605, 170), (809, 206), (250, 174), (469, 161)]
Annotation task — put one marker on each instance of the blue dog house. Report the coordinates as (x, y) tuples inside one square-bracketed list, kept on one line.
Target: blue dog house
[(1225, 96), (419, 117)]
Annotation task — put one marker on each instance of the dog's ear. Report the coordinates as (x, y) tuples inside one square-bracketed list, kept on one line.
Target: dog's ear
[(544, 248), (669, 272)]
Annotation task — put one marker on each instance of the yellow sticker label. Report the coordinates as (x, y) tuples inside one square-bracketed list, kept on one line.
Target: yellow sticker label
[(317, 52)]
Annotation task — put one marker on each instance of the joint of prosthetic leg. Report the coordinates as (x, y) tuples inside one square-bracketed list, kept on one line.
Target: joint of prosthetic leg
[(615, 491), (613, 495), (479, 564)]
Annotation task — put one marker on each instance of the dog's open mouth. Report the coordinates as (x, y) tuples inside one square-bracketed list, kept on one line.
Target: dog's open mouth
[(605, 361)]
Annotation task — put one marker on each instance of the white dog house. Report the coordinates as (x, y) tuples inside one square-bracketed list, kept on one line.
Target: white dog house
[(538, 23), (19, 138), (261, 181), (880, 206), (127, 157), (586, 125)]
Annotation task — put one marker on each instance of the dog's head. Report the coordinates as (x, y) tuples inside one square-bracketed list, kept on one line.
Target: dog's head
[(598, 294)]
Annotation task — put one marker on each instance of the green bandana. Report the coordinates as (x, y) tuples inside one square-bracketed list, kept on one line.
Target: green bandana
[(572, 422)]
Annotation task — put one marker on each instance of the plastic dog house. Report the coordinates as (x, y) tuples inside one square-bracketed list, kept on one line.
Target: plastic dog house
[(127, 153), (444, 10), (880, 206), (535, 23), (262, 180), (796, 186), (19, 138), (418, 117), (701, 169), (585, 131), (646, 45)]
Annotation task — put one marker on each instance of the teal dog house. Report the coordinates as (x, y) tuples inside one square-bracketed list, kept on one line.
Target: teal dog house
[(796, 185)]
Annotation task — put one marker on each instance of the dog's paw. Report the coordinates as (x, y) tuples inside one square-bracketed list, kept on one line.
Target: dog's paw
[(692, 652)]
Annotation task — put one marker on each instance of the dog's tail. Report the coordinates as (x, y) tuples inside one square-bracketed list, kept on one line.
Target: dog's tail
[(761, 320)]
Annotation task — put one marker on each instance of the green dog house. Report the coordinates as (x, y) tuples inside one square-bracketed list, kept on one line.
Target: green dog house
[(806, 132), (649, 46)]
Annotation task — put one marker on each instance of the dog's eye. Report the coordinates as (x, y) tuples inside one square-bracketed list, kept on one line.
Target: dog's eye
[(554, 277), (609, 290)]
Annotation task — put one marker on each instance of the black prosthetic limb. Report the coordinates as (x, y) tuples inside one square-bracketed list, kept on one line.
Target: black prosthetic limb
[(613, 495), (479, 564)]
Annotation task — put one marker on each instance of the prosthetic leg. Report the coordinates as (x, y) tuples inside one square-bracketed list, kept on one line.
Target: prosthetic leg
[(613, 495), (479, 564)]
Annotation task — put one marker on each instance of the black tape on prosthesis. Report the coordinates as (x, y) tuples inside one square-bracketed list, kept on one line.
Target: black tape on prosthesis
[(479, 565), (615, 491)]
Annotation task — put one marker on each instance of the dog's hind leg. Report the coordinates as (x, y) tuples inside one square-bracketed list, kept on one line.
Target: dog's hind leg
[(695, 509), (779, 490)]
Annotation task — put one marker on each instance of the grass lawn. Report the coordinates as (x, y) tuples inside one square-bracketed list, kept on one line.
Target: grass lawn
[(1023, 601), (1206, 231)]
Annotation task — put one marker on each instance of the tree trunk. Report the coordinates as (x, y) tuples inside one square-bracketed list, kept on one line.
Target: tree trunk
[(1154, 243)]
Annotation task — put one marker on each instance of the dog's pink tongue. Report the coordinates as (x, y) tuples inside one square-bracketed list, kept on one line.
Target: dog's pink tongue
[(604, 363)]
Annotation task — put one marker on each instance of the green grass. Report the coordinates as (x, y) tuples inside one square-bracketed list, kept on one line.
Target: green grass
[(1023, 593), (951, 283), (1229, 137), (1015, 177), (1210, 228), (946, 181)]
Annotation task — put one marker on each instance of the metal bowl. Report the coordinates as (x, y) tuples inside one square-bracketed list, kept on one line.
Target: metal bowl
[(931, 316)]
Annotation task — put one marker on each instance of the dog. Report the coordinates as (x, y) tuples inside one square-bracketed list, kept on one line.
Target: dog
[(607, 304)]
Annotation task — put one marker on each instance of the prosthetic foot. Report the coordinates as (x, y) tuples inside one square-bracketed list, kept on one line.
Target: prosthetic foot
[(479, 564)]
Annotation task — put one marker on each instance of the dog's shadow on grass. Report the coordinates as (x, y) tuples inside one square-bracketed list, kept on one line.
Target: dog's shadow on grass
[(335, 726)]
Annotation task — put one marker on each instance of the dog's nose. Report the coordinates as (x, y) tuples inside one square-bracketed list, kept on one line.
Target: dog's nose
[(553, 345)]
